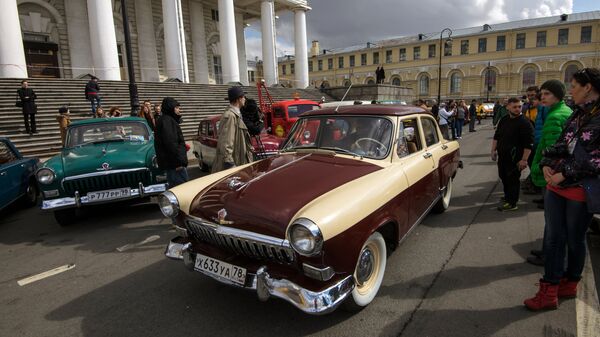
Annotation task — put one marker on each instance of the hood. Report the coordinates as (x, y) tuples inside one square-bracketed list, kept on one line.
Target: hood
[(264, 197), (118, 155)]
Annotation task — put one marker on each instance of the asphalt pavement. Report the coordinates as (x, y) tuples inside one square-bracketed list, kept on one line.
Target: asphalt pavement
[(461, 273)]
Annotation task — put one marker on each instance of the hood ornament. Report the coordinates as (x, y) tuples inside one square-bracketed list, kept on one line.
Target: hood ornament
[(235, 183), (105, 167), (221, 215)]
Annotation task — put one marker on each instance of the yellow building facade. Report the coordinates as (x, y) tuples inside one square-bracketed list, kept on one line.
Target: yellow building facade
[(490, 61)]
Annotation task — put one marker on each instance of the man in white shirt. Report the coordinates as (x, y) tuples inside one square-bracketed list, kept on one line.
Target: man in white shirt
[(443, 122)]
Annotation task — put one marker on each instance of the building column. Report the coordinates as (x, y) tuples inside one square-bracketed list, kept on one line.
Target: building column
[(12, 54), (229, 52), (174, 36), (241, 45), (267, 18), (79, 38), (103, 40), (300, 41), (146, 41), (199, 42)]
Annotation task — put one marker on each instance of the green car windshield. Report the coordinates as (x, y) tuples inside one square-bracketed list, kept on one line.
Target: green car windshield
[(106, 132)]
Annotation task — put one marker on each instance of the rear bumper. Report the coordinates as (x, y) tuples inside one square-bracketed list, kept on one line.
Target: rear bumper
[(78, 201), (310, 302)]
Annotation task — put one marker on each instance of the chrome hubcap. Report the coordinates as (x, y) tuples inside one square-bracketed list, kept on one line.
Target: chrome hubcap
[(365, 266)]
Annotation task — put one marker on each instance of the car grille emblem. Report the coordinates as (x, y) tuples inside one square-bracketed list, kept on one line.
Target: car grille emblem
[(235, 184), (105, 167), (221, 215)]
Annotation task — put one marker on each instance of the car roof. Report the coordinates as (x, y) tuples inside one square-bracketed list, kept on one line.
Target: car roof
[(370, 109), (294, 101), (109, 120)]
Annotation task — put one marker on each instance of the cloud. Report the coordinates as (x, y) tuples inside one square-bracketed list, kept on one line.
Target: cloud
[(342, 23)]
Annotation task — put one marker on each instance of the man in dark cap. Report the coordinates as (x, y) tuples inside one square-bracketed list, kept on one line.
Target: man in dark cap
[(92, 93), (171, 152), (233, 146)]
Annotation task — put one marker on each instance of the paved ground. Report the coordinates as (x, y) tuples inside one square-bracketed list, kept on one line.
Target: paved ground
[(458, 274)]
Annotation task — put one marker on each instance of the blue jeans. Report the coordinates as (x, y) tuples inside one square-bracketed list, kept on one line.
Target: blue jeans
[(175, 177), (459, 122), (566, 224), (95, 101)]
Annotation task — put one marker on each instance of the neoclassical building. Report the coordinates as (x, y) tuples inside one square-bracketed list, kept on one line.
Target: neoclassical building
[(480, 62), (192, 40)]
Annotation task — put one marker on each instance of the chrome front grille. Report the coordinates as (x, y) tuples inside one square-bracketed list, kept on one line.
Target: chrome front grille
[(106, 180), (253, 245)]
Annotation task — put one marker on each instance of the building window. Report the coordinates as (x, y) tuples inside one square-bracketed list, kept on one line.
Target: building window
[(482, 47), (563, 36), (529, 77), (352, 60), (464, 47), (347, 83), (431, 50), (520, 41), (329, 64), (501, 43), (251, 76), (569, 71), (416, 53), (341, 62), (455, 82), (370, 81), (396, 81), (540, 40), (490, 80), (376, 58), (292, 68), (424, 85), (283, 69), (402, 54), (320, 65), (214, 14), (388, 56), (363, 59), (217, 69), (586, 34), (310, 66), (447, 49)]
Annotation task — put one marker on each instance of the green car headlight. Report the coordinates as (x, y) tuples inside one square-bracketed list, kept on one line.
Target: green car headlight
[(45, 176), (168, 203), (305, 237)]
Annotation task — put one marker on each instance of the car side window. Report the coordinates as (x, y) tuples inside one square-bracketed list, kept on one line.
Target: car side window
[(409, 140), (210, 132), (203, 129), (6, 154), (430, 131)]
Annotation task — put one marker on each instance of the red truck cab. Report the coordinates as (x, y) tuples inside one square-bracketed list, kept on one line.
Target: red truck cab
[(285, 113)]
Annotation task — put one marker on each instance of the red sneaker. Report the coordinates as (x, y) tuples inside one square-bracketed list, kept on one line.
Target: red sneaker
[(567, 289), (545, 299)]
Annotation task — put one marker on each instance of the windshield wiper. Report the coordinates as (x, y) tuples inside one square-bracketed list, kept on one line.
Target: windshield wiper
[(339, 149)]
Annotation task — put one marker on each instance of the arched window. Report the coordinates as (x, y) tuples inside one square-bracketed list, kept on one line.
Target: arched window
[(370, 81), (489, 81), (529, 77), (455, 83), (325, 84), (569, 71), (347, 83), (396, 81), (424, 85)]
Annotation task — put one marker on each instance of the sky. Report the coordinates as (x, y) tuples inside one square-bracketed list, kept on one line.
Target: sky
[(337, 23)]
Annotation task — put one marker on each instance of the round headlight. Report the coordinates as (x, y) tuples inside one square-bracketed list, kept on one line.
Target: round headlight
[(45, 176), (154, 162), (169, 206), (305, 237)]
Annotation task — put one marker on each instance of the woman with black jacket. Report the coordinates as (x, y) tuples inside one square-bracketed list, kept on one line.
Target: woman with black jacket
[(571, 168)]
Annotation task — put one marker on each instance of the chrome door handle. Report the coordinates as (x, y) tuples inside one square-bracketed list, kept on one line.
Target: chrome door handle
[(444, 146), (427, 155), (2, 173)]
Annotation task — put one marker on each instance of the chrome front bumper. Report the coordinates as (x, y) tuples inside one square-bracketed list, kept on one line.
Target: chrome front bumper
[(78, 201), (315, 303)]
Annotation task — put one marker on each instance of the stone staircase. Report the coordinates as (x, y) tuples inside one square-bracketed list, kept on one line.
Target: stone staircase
[(197, 100)]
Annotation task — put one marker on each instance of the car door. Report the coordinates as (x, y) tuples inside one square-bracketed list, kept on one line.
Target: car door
[(11, 174), (435, 151)]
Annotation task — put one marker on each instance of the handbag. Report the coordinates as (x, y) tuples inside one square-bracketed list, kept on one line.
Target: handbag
[(18, 103)]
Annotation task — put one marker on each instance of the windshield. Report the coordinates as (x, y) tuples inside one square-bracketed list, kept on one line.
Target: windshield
[(355, 135), (295, 110), (107, 132)]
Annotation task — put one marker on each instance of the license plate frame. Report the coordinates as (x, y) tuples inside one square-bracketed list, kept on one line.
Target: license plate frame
[(112, 194), (214, 267)]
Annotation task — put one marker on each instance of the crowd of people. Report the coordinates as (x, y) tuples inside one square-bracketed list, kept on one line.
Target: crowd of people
[(453, 115)]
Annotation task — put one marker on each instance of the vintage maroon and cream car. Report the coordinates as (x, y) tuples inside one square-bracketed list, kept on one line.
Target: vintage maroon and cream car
[(313, 225)]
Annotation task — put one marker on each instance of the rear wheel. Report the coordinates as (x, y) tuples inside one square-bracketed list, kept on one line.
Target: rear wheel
[(444, 202), (368, 273), (32, 193), (203, 166), (65, 217)]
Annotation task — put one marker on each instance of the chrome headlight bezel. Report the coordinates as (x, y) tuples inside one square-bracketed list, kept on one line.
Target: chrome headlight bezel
[(45, 175), (310, 242), (168, 204), (154, 162)]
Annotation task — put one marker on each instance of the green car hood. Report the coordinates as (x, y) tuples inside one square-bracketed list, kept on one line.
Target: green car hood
[(105, 156)]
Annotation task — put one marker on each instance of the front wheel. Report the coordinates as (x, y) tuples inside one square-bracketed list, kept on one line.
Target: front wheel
[(368, 273), (442, 205), (32, 193)]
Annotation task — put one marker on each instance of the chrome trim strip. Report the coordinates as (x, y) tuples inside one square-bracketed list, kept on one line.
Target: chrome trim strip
[(104, 173), (79, 201), (310, 302)]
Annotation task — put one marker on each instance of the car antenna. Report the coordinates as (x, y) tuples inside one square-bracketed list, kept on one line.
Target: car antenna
[(347, 91)]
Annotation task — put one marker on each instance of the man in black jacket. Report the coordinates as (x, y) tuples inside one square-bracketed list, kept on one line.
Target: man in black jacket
[(472, 115), (92, 93), (171, 152), (26, 100)]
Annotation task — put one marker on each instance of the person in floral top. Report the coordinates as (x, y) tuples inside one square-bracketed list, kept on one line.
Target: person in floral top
[(569, 165)]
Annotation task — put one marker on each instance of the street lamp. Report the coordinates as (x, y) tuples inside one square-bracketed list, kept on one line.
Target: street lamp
[(448, 41)]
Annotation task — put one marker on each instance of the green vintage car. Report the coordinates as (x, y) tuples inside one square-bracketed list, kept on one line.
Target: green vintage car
[(103, 160)]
